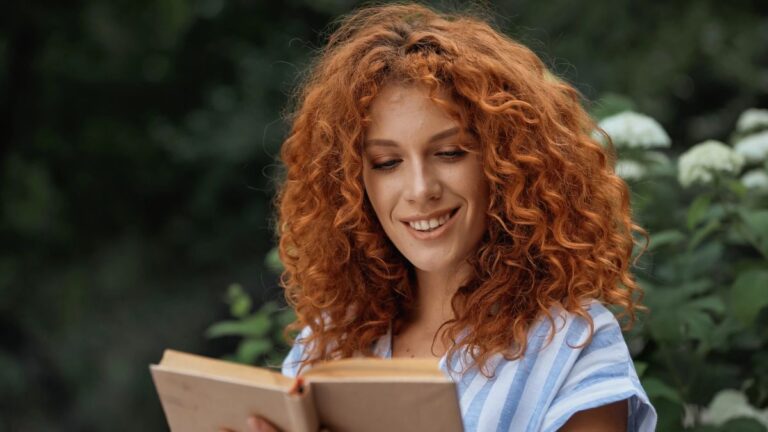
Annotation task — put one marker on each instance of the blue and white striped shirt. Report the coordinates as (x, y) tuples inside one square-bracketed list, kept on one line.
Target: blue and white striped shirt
[(544, 388)]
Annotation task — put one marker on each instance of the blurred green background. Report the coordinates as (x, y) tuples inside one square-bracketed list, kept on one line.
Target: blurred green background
[(138, 144)]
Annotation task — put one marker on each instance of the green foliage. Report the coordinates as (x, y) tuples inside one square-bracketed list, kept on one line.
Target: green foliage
[(749, 295), (260, 332), (705, 276)]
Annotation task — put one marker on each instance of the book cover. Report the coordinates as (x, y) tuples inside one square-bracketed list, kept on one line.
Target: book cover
[(359, 394)]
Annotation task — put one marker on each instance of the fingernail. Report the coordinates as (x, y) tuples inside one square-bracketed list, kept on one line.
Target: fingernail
[(254, 424)]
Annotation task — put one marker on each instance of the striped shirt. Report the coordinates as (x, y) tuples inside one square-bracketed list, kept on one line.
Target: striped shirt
[(543, 389)]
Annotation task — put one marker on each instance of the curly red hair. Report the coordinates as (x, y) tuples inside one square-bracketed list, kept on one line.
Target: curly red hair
[(560, 227)]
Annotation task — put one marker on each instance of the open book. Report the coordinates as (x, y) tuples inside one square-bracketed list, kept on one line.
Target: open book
[(360, 394)]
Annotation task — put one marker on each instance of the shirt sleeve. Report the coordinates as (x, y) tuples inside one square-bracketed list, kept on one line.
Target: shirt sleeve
[(602, 373), (295, 356)]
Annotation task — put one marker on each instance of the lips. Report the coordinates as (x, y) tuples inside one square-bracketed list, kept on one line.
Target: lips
[(433, 215), (437, 232)]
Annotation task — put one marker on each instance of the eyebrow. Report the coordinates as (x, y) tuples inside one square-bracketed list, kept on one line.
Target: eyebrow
[(438, 136)]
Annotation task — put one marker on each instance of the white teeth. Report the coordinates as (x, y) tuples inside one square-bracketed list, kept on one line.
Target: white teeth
[(425, 225)]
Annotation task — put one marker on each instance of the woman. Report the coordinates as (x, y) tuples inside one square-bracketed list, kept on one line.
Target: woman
[(444, 197)]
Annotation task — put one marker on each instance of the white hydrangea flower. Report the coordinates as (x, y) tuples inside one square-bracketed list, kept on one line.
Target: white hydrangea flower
[(754, 147), (702, 161), (728, 404), (755, 179), (629, 169), (635, 130), (752, 118)]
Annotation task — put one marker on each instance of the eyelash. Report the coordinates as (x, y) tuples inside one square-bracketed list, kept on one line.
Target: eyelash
[(452, 156)]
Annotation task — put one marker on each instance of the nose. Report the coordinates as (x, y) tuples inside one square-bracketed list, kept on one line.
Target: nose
[(422, 184)]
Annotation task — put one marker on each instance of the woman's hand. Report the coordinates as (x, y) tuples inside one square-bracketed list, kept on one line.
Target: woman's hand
[(257, 424)]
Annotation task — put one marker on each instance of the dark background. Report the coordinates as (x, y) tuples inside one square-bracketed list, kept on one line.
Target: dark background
[(138, 144)]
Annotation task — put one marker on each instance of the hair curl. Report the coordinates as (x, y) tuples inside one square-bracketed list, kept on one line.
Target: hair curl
[(559, 221)]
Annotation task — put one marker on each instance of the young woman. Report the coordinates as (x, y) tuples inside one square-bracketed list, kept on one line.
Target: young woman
[(444, 197)]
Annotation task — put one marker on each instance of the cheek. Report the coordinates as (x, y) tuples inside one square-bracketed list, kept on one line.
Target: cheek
[(375, 189), (475, 185)]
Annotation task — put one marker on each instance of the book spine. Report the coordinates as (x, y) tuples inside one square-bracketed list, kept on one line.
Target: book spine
[(301, 408)]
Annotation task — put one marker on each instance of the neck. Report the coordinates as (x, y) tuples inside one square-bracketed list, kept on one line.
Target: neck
[(435, 291)]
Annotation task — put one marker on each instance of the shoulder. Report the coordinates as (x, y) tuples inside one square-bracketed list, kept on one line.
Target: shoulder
[(559, 377), (573, 324), (296, 355), (591, 366), (566, 340)]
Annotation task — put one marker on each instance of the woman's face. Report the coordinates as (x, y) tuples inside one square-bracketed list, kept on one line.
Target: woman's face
[(430, 196)]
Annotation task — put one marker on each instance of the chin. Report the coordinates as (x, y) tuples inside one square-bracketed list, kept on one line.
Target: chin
[(430, 265)]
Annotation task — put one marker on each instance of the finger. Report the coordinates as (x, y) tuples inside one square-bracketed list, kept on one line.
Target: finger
[(259, 424)]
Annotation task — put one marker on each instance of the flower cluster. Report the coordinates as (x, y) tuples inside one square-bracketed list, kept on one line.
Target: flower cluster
[(728, 404), (629, 169), (753, 147), (701, 162), (752, 119), (634, 130), (756, 179)]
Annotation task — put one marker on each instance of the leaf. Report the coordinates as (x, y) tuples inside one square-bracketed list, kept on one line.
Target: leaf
[(743, 424), (268, 308), (254, 326), (663, 238), (239, 301), (677, 316), (697, 324), (272, 261), (734, 235), (674, 297), (702, 233), (286, 317), (240, 307), (224, 328), (250, 349), (710, 303), (697, 210), (756, 223), (665, 326), (700, 262), (722, 334), (655, 388), (703, 428), (234, 290), (737, 187), (749, 294), (610, 104)]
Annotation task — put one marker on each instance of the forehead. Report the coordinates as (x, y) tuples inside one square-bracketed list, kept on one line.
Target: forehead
[(401, 109)]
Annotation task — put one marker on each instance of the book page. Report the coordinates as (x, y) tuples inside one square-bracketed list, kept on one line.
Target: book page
[(398, 369), (205, 366), (201, 394), (197, 403)]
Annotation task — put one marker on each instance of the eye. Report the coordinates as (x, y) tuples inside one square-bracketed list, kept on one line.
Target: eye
[(453, 154), (384, 166)]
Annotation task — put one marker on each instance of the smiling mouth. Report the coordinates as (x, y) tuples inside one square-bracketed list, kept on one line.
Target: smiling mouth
[(451, 214)]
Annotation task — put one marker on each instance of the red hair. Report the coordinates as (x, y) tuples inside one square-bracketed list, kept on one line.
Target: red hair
[(559, 221)]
